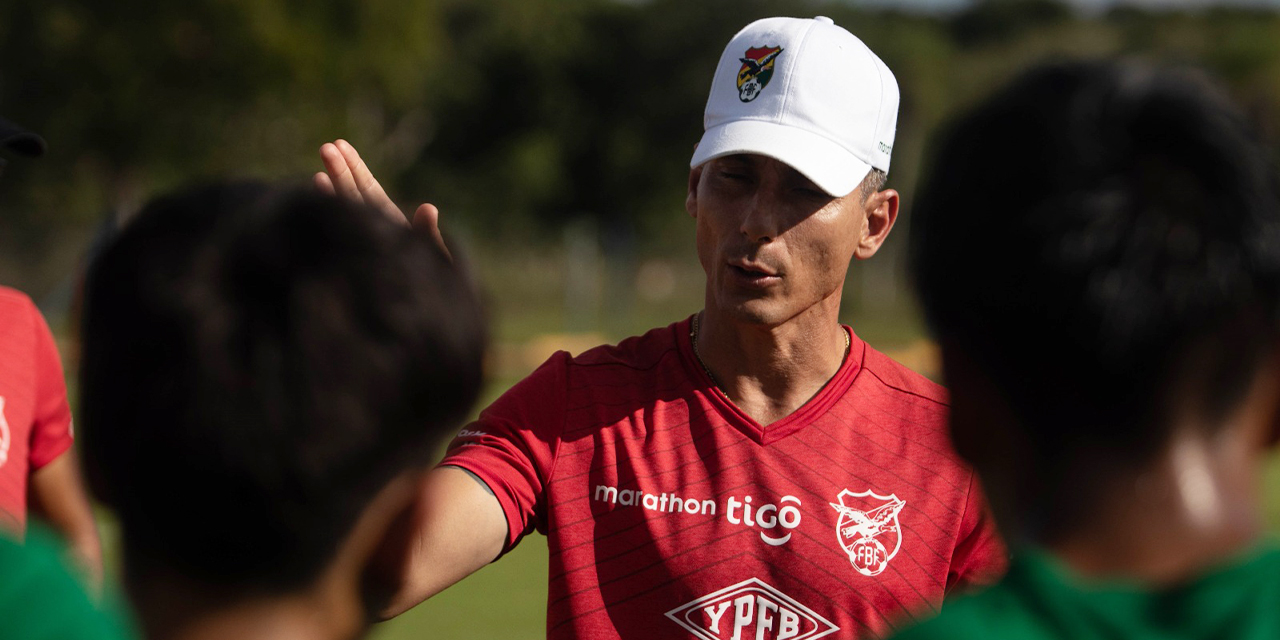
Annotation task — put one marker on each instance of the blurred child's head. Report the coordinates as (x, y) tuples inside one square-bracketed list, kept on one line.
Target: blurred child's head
[(260, 365), (1097, 249)]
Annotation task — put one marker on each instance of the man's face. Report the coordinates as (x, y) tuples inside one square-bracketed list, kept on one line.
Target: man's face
[(772, 243)]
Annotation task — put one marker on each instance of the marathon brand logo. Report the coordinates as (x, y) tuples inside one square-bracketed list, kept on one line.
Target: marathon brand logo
[(756, 71), (750, 610), (661, 502), (774, 522)]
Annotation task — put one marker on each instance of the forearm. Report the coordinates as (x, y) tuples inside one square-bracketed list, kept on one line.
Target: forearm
[(456, 528), (57, 497)]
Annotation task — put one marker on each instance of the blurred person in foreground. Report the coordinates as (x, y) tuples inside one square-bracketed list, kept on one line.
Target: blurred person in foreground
[(1109, 318), (39, 598), (755, 470), (266, 373), (39, 469)]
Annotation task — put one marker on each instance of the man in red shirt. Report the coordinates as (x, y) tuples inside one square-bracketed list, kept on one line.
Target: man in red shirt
[(753, 471), (38, 467)]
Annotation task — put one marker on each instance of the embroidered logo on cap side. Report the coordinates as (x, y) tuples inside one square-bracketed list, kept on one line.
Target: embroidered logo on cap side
[(756, 71)]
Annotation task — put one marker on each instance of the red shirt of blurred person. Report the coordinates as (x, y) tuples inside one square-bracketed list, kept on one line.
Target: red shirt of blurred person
[(35, 420)]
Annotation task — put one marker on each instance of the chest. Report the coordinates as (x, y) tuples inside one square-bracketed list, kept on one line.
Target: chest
[(674, 516)]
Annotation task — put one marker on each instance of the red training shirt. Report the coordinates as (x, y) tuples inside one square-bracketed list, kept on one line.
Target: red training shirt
[(35, 421), (669, 513)]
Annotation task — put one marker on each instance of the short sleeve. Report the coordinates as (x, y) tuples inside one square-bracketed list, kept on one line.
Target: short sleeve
[(980, 557), (513, 444), (51, 426)]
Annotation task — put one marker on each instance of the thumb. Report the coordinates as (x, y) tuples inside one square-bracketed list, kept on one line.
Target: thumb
[(427, 219)]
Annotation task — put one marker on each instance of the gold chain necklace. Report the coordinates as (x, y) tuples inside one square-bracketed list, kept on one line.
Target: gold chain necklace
[(693, 338)]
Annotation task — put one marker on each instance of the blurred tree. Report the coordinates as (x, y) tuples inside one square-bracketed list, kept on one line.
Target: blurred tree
[(515, 115), (990, 21)]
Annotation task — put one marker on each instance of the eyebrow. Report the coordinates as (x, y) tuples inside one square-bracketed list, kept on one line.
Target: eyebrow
[(738, 159)]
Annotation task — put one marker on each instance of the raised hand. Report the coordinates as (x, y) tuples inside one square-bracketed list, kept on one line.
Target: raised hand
[(346, 175)]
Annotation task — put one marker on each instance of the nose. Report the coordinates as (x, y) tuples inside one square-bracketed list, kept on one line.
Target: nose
[(758, 225)]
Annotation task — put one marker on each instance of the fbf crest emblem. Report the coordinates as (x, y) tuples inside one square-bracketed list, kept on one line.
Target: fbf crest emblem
[(868, 529), (756, 71)]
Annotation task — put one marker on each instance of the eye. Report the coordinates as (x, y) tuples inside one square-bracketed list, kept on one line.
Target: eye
[(812, 193), (736, 177)]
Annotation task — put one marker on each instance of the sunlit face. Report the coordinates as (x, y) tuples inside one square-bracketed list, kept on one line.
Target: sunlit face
[(772, 243)]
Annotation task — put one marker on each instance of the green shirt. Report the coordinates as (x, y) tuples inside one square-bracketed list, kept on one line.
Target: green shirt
[(39, 600), (1039, 598)]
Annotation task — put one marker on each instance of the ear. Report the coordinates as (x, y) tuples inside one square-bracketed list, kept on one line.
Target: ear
[(880, 211), (691, 200), (379, 533)]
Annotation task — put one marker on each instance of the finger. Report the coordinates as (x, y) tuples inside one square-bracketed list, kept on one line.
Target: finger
[(335, 164), (427, 219), (366, 184), (323, 183)]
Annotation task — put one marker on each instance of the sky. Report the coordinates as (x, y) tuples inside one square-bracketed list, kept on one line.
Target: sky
[(1088, 6)]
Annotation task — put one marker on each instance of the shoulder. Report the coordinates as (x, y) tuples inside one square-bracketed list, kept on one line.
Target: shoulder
[(15, 304), (20, 320), (614, 370), (902, 401), (637, 353), (899, 379)]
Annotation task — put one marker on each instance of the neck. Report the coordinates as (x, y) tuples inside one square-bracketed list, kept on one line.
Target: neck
[(770, 371), (1195, 508), (323, 612), (172, 606)]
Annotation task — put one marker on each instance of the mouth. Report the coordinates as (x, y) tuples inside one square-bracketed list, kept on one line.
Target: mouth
[(753, 274)]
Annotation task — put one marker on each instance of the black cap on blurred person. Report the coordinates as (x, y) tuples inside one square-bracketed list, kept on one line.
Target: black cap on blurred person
[(20, 141)]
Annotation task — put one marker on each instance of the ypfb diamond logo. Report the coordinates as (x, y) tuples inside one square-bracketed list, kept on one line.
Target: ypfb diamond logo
[(750, 609), (868, 529), (756, 71)]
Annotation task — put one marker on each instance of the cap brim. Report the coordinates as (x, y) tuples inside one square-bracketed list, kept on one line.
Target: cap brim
[(19, 140), (830, 166)]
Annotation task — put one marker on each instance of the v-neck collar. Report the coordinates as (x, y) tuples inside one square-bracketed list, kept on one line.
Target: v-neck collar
[(798, 419)]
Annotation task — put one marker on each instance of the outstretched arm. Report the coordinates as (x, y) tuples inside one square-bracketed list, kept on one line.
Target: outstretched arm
[(457, 527), (58, 496), (345, 174)]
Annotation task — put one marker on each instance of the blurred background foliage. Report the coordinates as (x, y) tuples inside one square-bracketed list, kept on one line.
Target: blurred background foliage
[(554, 134)]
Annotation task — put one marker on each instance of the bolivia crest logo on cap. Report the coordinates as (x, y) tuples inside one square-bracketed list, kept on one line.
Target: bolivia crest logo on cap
[(756, 71)]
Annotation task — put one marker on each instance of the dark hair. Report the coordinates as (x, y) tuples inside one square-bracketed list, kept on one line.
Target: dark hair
[(1131, 250), (258, 363)]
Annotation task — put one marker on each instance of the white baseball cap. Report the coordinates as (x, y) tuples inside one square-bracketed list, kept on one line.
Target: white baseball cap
[(807, 93)]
